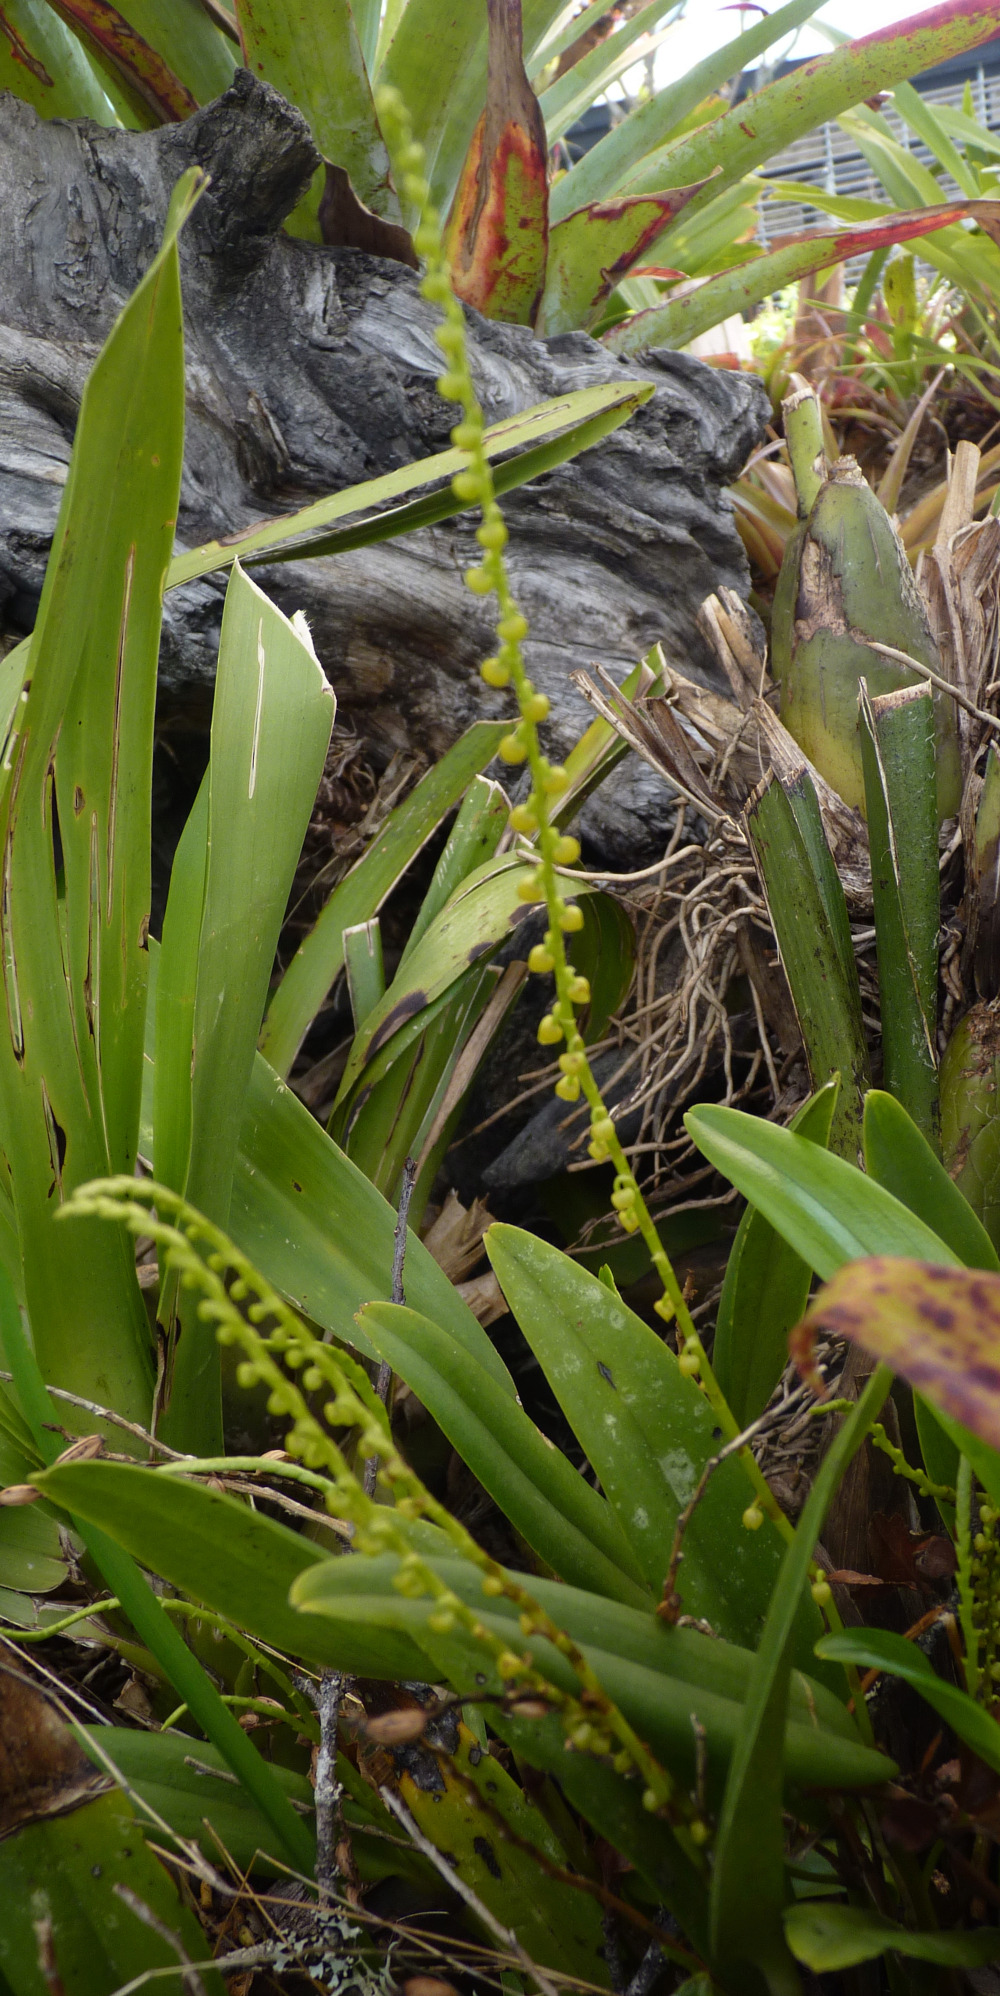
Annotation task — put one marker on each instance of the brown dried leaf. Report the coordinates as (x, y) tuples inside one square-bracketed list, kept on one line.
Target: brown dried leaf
[(938, 1327), (43, 1771)]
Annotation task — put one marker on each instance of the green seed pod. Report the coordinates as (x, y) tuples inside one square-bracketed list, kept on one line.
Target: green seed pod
[(970, 1112), (844, 582)]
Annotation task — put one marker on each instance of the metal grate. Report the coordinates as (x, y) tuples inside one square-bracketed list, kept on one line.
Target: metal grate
[(829, 158)]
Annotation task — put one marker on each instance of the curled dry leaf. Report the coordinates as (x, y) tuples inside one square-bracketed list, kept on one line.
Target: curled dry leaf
[(938, 1327)]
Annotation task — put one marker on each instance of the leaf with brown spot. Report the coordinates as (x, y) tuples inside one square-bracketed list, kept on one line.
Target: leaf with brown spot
[(497, 236), (141, 67), (938, 1327)]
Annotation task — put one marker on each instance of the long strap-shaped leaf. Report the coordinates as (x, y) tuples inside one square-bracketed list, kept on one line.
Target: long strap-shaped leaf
[(748, 1882), (271, 727), (74, 988), (539, 439)]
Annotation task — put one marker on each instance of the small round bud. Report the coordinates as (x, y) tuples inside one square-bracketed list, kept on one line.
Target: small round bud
[(512, 749), (523, 819), (650, 1801), (571, 918), (753, 1517), (451, 385), (554, 779), (513, 627), (466, 435), (579, 991), (598, 1152), (568, 1089), (541, 960), (495, 674), (479, 580), (425, 242), (689, 1364), (435, 288), (699, 1832), (508, 1664), (416, 188), (665, 1309), (549, 1031), (566, 850), (629, 1221), (537, 708), (467, 485), (572, 1063), (624, 1200), (532, 889), (821, 1592), (492, 1584), (411, 157), (450, 338), (493, 535), (602, 1129)]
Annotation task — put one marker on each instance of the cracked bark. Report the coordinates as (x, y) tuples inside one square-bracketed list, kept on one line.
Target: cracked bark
[(310, 368)]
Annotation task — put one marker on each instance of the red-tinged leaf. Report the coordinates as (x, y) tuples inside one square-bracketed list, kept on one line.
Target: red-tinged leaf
[(137, 62), (595, 248), (696, 306), (938, 1327), (497, 235), (21, 53)]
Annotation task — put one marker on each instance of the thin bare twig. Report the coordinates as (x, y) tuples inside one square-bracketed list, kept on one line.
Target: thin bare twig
[(328, 1794)]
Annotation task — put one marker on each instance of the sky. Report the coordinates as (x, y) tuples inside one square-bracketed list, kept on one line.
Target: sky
[(707, 25)]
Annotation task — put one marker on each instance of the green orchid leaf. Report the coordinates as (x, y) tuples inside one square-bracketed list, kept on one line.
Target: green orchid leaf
[(826, 1936), (64, 1872), (565, 1522), (900, 1158), (748, 1880), (877, 1649), (765, 1292), (826, 1209), (647, 1431)]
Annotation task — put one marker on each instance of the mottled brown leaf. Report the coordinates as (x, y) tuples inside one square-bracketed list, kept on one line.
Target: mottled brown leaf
[(938, 1327)]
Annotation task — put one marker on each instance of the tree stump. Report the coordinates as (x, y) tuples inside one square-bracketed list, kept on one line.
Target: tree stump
[(311, 368)]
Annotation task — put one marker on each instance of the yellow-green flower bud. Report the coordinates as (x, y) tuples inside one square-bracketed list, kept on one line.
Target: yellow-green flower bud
[(602, 1129), (821, 1592), (579, 991), (493, 535), (572, 1063), (554, 780), (479, 580), (466, 435), (549, 1031), (566, 850), (665, 1309), (496, 675), (568, 1089), (450, 386), (435, 288), (571, 917), (492, 1584), (532, 889), (598, 1152), (541, 959), (416, 188), (537, 707), (753, 1517), (467, 485), (512, 749), (450, 338), (689, 1364), (522, 817), (513, 627)]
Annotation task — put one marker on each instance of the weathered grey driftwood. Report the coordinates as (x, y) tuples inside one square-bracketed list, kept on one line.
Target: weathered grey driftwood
[(311, 368)]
